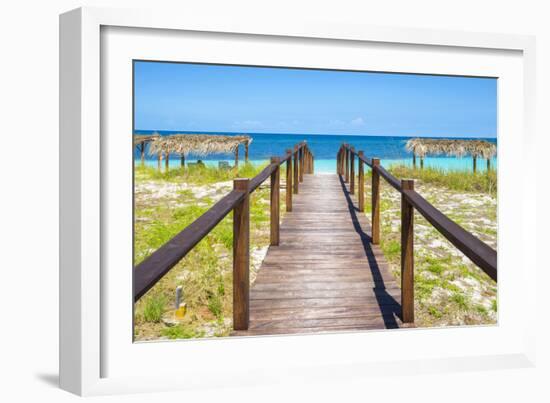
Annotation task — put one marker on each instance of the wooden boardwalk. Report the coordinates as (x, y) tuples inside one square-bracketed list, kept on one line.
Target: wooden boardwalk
[(325, 275)]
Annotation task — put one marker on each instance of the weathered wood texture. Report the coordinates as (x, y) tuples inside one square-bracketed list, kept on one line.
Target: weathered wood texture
[(241, 257), (325, 275), (407, 254)]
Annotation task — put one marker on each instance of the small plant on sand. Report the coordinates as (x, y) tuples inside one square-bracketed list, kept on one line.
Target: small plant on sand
[(153, 308), (461, 300), (180, 331)]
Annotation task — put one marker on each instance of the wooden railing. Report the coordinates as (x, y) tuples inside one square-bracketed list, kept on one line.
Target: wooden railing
[(477, 251), (298, 161)]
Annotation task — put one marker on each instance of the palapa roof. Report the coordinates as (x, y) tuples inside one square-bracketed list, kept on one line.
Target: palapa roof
[(139, 138), (451, 147), (198, 144)]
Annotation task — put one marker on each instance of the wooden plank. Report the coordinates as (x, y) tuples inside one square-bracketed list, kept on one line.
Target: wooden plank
[(322, 322), (284, 294), (322, 302), (316, 330), (334, 285), (372, 310)]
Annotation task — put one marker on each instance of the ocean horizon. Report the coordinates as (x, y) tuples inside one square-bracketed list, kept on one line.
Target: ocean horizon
[(390, 149)]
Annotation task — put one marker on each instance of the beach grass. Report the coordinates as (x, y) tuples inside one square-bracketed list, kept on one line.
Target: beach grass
[(467, 181), (197, 174)]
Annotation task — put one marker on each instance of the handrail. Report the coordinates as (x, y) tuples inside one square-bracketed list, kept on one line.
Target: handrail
[(476, 250), (160, 262), (152, 269), (479, 252), (262, 176), (392, 180)]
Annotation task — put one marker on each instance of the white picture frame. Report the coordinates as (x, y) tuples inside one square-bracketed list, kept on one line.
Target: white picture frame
[(84, 192)]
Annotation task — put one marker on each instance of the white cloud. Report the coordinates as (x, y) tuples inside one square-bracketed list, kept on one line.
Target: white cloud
[(357, 121)]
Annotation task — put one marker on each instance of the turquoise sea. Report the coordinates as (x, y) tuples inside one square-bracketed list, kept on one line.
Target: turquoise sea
[(391, 150)]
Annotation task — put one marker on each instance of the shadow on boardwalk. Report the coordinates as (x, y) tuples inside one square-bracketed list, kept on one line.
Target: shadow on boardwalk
[(389, 312)]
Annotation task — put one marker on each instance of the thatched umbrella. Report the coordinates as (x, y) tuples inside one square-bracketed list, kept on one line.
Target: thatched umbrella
[(140, 140), (452, 148), (199, 144)]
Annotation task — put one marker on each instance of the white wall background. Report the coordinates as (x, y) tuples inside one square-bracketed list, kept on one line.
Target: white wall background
[(29, 193)]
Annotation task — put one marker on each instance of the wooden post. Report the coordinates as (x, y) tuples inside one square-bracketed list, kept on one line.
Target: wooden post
[(375, 196), (342, 161), (338, 163), (182, 160), (347, 165), (237, 157), (166, 167), (142, 153), (312, 164), (159, 161), (289, 180), (295, 170), (246, 152), (421, 162), (301, 167), (275, 202), (414, 161), (241, 257), (488, 164), (475, 162), (407, 254), (352, 171), (361, 183)]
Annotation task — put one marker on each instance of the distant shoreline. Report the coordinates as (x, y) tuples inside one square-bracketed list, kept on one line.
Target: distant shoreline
[(329, 165)]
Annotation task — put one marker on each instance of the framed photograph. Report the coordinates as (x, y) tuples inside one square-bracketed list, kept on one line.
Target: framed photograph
[(245, 201)]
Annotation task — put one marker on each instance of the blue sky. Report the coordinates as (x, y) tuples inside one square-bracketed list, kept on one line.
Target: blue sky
[(192, 97)]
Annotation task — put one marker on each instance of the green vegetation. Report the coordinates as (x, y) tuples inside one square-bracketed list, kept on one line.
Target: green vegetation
[(165, 204), (449, 290), (197, 174), (154, 308), (461, 300), (391, 248), (484, 182), (180, 332)]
